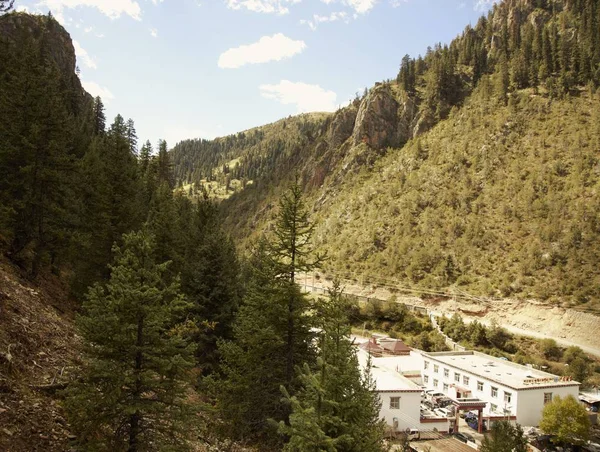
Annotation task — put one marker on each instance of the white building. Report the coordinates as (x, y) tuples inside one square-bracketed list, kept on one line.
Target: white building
[(510, 390), (400, 397)]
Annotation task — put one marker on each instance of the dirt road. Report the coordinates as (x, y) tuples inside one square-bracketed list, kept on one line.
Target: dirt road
[(524, 317)]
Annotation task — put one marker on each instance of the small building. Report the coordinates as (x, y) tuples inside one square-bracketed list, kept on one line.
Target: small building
[(509, 390), (372, 347), (395, 347), (400, 397)]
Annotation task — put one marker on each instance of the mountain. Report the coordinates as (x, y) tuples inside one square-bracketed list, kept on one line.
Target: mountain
[(475, 169)]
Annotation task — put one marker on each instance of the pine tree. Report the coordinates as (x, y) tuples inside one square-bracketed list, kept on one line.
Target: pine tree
[(37, 156), (253, 363), (99, 117), (165, 167), (132, 395), (131, 136), (292, 252), (336, 409), (209, 278)]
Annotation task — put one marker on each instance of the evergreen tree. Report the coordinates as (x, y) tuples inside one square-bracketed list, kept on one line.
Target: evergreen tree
[(336, 408), (292, 252), (99, 117), (253, 363), (131, 136), (504, 437), (209, 278), (133, 392), (165, 167), (37, 155)]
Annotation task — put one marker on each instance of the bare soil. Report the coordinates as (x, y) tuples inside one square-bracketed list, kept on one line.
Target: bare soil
[(524, 317), (39, 350)]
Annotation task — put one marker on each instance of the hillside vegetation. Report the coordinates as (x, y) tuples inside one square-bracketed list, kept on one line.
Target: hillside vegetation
[(476, 167)]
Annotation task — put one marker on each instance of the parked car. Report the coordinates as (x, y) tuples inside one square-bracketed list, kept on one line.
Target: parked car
[(434, 397), (461, 437), (413, 433)]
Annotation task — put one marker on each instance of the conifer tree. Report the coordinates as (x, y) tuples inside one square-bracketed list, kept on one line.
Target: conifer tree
[(292, 251), (99, 117), (253, 363), (165, 167), (132, 395), (336, 408), (131, 136), (209, 278)]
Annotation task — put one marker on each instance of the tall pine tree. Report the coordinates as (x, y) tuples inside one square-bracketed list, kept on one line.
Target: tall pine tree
[(132, 395), (336, 408)]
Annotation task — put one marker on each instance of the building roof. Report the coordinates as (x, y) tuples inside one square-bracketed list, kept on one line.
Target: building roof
[(395, 346), (385, 375), (503, 372), (441, 445), (372, 346)]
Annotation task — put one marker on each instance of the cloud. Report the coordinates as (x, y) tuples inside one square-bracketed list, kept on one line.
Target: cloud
[(154, 32), (361, 6), (262, 6), (267, 48), (484, 5), (306, 97), (397, 3), (96, 90), (316, 19), (83, 56), (111, 8)]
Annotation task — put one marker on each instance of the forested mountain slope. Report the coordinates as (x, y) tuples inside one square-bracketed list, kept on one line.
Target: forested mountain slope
[(477, 167)]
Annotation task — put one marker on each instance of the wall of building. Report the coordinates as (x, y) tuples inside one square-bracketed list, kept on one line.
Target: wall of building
[(526, 405), (531, 402), (409, 412)]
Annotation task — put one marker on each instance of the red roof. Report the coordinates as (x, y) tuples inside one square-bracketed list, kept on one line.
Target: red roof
[(396, 347)]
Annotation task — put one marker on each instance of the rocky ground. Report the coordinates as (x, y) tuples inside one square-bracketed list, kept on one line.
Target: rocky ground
[(38, 351)]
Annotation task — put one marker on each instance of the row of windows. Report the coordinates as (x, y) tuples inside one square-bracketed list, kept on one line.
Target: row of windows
[(466, 380)]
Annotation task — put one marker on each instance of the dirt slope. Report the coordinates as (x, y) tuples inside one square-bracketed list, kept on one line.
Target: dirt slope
[(524, 317), (38, 350)]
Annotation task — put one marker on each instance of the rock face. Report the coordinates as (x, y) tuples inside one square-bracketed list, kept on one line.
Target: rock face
[(18, 28), (342, 126), (383, 121)]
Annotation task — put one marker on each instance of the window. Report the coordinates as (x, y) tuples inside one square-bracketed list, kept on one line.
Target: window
[(466, 380), (426, 365), (494, 392), (507, 397), (436, 368), (435, 382), (457, 377), (445, 386), (446, 372), (394, 403), (547, 397), (480, 385), (493, 408), (426, 379)]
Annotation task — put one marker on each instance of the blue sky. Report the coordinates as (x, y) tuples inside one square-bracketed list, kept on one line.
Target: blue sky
[(206, 68)]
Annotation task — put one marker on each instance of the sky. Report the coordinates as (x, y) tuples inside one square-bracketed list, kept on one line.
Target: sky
[(206, 68)]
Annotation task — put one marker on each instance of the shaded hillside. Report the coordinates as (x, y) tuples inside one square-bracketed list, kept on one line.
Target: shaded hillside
[(476, 167), (38, 353)]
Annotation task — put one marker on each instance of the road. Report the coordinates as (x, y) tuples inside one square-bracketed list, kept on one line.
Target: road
[(497, 312)]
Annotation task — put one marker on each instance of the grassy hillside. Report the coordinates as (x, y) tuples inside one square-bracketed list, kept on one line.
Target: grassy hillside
[(501, 200), (476, 168)]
